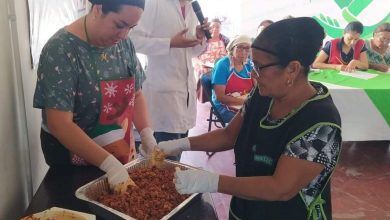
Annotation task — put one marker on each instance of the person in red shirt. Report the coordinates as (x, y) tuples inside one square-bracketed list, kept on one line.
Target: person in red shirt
[(344, 54), (231, 78), (204, 63)]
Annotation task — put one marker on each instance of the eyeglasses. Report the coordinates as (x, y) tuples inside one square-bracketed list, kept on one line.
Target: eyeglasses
[(241, 49), (384, 40), (258, 69)]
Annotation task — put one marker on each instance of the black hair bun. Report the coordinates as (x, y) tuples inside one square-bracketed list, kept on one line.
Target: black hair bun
[(138, 3), (292, 39), (96, 2)]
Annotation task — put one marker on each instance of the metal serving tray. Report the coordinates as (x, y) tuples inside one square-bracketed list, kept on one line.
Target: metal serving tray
[(92, 190)]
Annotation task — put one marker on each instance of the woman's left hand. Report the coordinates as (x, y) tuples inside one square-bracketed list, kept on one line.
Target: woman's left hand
[(195, 181), (351, 66)]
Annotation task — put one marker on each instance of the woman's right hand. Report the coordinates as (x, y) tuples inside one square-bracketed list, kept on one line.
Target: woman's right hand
[(117, 175)]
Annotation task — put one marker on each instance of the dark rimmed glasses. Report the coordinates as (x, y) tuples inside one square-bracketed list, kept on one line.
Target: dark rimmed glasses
[(257, 69)]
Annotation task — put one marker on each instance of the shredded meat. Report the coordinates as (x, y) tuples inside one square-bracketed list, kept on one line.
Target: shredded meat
[(154, 197)]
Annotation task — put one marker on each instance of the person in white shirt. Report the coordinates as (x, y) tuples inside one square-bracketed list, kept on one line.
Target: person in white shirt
[(169, 35)]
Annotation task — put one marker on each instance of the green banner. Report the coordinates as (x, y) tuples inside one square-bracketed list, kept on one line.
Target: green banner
[(350, 10), (377, 89)]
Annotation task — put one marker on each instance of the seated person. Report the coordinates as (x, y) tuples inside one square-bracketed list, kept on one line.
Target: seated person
[(263, 25), (344, 54), (216, 48), (378, 50), (231, 77)]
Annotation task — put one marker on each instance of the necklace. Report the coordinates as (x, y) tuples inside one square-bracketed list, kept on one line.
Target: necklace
[(103, 55), (85, 29)]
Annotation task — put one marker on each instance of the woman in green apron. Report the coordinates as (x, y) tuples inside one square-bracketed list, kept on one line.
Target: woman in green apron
[(286, 138), (89, 89)]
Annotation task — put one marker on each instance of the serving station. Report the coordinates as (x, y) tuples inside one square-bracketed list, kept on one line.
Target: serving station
[(60, 184)]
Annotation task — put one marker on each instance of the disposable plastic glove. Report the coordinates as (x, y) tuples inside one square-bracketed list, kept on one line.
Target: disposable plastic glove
[(174, 147), (148, 142), (117, 175), (195, 181)]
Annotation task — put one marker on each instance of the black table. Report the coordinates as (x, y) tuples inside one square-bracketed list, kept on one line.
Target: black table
[(60, 183)]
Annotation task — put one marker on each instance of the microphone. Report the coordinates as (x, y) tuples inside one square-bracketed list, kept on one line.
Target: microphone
[(199, 15)]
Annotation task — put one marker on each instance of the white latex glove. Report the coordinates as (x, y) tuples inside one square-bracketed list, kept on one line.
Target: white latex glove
[(116, 172), (174, 147), (195, 181), (148, 142)]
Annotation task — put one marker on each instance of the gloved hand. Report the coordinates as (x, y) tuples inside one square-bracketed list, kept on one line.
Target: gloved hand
[(118, 177), (195, 181), (148, 142), (174, 147)]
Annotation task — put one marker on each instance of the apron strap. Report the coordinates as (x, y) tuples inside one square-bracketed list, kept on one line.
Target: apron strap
[(313, 211)]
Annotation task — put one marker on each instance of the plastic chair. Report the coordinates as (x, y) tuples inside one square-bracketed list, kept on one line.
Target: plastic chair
[(214, 116)]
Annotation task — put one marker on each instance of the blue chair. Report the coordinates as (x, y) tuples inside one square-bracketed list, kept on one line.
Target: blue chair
[(214, 116)]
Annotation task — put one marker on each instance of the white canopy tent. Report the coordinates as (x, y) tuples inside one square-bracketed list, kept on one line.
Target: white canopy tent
[(22, 164)]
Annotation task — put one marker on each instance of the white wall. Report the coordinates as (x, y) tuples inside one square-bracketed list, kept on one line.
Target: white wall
[(255, 11), (19, 123), (38, 164), (14, 171), (224, 9)]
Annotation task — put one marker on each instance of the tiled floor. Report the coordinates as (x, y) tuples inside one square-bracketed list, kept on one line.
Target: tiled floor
[(360, 184)]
